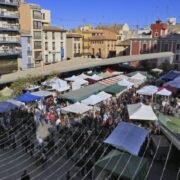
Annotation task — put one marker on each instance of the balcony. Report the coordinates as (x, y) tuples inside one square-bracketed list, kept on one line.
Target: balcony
[(10, 52), (9, 27), (14, 3), (10, 40), (9, 15)]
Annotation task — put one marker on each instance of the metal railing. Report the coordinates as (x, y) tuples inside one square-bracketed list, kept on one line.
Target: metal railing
[(9, 26), (9, 14), (9, 51), (12, 2), (9, 39)]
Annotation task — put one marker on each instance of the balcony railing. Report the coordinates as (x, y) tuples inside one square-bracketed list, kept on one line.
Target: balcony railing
[(8, 52), (38, 57), (9, 40), (11, 27), (9, 14), (10, 2)]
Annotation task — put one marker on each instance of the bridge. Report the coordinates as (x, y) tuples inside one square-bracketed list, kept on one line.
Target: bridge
[(80, 64)]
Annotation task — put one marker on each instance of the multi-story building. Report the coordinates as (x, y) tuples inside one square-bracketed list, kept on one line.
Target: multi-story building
[(87, 32), (31, 20), (26, 42), (73, 45), (9, 36), (54, 44), (103, 44)]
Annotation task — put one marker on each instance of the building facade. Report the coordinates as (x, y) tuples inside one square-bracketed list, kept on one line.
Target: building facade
[(31, 20), (103, 44), (74, 45), (54, 44), (26, 42), (10, 48)]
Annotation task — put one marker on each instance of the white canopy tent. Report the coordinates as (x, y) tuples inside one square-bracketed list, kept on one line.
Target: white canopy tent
[(141, 111), (57, 84), (148, 90), (73, 78), (83, 76), (92, 100), (77, 108), (126, 83), (32, 87), (104, 96), (42, 93), (140, 77), (164, 92), (96, 77)]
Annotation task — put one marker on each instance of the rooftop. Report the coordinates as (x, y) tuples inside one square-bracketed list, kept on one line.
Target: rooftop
[(74, 35), (53, 28)]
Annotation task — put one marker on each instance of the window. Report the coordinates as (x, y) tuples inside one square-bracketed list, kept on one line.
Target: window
[(29, 60), (53, 45), (37, 25), (76, 39), (46, 46), (156, 34), (38, 55), (144, 47), (74, 46), (54, 58), (61, 36), (178, 46), (44, 16), (177, 57), (155, 46), (37, 35), (166, 47), (37, 14), (37, 45), (62, 44), (79, 46), (29, 40), (53, 35), (46, 36), (46, 58)]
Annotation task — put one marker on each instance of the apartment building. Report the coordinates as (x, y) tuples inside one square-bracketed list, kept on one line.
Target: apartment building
[(54, 44), (31, 20), (9, 36), (103, 44), (73, 45)]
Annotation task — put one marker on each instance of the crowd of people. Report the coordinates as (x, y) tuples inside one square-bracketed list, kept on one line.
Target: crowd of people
[(76, 138)]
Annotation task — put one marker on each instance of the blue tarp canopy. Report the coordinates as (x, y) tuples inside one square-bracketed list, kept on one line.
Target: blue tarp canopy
[(128, 137), (175, 83), (171, 75), (27, 97), (6, 106)]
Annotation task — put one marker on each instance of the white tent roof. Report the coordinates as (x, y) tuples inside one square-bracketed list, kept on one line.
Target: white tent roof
[(92, 100), (139, 76), (72, 78), (103, 95), (42, 93), (80, 81), (83, 76), (164, 92), (77, 108), (148, 90), (96, 77), (57, 84), (17, 103), (141, 111), (126, 83)]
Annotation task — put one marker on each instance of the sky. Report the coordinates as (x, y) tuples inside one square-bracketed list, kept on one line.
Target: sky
[(139, 13)]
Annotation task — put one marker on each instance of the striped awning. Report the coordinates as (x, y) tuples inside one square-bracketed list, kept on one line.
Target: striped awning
[(111, 81)]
